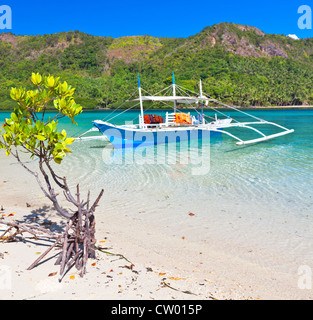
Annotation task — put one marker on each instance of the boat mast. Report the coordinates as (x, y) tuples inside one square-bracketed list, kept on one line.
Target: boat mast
[(201, 102), (140, 99), (174, 92)]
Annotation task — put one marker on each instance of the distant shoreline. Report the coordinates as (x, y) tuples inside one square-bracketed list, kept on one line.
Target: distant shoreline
[(218, 107), (277, 107), (222, 107)]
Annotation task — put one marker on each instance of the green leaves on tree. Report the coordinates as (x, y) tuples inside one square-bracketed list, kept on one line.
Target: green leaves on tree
[(28, 127)]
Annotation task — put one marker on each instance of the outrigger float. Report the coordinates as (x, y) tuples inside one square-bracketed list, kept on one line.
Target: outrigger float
[(179, 126)]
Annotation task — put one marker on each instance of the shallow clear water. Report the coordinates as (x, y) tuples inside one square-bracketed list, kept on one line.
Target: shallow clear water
[(255, 200)]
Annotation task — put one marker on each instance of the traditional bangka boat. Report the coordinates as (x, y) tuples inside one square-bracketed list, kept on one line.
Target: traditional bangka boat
[(179, 126)]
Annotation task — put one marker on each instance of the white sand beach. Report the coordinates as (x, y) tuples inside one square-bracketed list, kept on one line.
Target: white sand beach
[(190, 269)]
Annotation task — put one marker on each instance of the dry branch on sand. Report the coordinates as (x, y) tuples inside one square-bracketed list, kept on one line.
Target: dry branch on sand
[(77, 242)]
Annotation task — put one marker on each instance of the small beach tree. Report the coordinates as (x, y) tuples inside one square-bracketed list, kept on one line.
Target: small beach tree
[(32, 131)]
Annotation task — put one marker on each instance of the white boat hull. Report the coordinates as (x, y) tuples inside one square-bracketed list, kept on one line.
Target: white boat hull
[(131, 136)]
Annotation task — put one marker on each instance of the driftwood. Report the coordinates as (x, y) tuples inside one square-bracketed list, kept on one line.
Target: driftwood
[(77, 242), (19, 229)]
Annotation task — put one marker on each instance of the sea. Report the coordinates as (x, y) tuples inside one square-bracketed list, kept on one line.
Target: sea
[(255, 201)]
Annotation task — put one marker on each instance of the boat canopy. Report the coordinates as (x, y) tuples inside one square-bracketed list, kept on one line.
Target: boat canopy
[(178, 99)]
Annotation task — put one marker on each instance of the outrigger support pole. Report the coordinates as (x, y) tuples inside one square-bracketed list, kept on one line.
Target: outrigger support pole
[(174, 92), (202, 113), (140, 98)]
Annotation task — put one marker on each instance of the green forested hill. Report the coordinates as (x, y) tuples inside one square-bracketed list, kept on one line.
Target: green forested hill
[(238, 64)]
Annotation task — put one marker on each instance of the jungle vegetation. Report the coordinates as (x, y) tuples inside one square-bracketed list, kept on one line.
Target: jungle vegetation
[(238, 64)]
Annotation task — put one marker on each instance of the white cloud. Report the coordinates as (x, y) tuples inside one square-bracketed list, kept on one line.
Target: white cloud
[(293, 36)]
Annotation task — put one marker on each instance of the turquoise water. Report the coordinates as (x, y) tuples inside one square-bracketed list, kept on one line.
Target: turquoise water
[(255, 201)]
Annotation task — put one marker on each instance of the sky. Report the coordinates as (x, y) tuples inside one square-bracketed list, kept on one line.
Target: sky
[(163, 18)]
